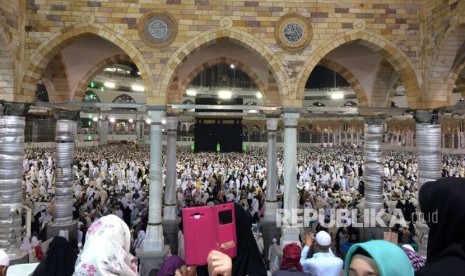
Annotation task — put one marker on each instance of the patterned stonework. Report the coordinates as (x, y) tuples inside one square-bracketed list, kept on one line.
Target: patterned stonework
[(293, 32), (158, 29)]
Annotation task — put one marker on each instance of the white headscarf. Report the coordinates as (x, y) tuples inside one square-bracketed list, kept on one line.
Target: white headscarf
[(34, 242), (106, 251), (26, 245)]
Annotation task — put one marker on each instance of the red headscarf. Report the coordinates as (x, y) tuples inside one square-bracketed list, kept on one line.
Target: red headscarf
[(291, 257)]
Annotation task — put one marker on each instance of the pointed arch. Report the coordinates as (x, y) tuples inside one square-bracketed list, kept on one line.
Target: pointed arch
[(7, 91), (387, 49), (82, 86), (234, 35), (223, 60), (446, 59), (349, 77), (40, 58)]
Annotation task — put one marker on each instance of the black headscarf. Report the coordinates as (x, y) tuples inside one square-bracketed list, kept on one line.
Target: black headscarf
[(59, 261), (248, 260), (444, 200)]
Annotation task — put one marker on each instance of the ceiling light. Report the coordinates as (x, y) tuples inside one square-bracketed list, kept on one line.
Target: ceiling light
[(191, 92), (148, 121), (95, 119), (253, 111), (337, 95), (259, 95), (131, 120), (232, 66), (112, 120), (163, 121), (109, 84), (137, 88), (224, 94)]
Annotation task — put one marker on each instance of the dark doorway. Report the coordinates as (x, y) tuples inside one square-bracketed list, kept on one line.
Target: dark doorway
[(225, 133)]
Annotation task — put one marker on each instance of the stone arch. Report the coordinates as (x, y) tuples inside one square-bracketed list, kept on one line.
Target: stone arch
[(7, 90), (52, 45), (349, 77), (234, 35), (392, 92), (447, 62), (455, 78), (386, 78), (388, 50), (221, 60), (82, 86), (56, 80)]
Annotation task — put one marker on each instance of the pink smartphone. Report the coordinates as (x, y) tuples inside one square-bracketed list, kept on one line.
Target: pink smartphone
[(205, 229)]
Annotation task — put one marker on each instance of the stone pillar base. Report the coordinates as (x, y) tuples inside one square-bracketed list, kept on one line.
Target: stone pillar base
[(54, 229), (150, 260), (269, 231), (170, 233), (290, 235), (270, 210), (372, 233)]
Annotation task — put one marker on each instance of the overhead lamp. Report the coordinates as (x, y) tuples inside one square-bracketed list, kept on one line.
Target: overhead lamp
[(148, 121), (224, 94), (109, 84), (137, 88), (112, 120), (253, 111), (259, 95), (191, 92), (95, 119), (337, 95), (232, 66), (163, 121), (130, 120)]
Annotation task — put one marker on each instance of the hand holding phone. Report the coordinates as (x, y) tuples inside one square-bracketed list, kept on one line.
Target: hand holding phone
[(208, 228)]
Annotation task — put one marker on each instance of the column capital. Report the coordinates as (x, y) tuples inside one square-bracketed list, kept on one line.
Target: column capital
[(61, 114), (291, 118), (272, 123), (374, 119), (156, 115), (14, 109), (422, 116)]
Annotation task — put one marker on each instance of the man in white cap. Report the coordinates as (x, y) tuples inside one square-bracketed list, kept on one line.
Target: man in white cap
[(4, 262), (323, 262)]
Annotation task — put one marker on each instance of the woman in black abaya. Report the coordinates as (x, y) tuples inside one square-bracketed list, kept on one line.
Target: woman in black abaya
[(443, 204), (60, 259)]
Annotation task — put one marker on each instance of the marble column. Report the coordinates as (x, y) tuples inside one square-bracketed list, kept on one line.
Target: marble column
[(271, 173), (65, 137), (291, 232), (103, 132), (429, 161), (452, 138), (373, 162), (270, 229), (169, 210), (154, 240), (12, 126), (373, 172), (140, 131)]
